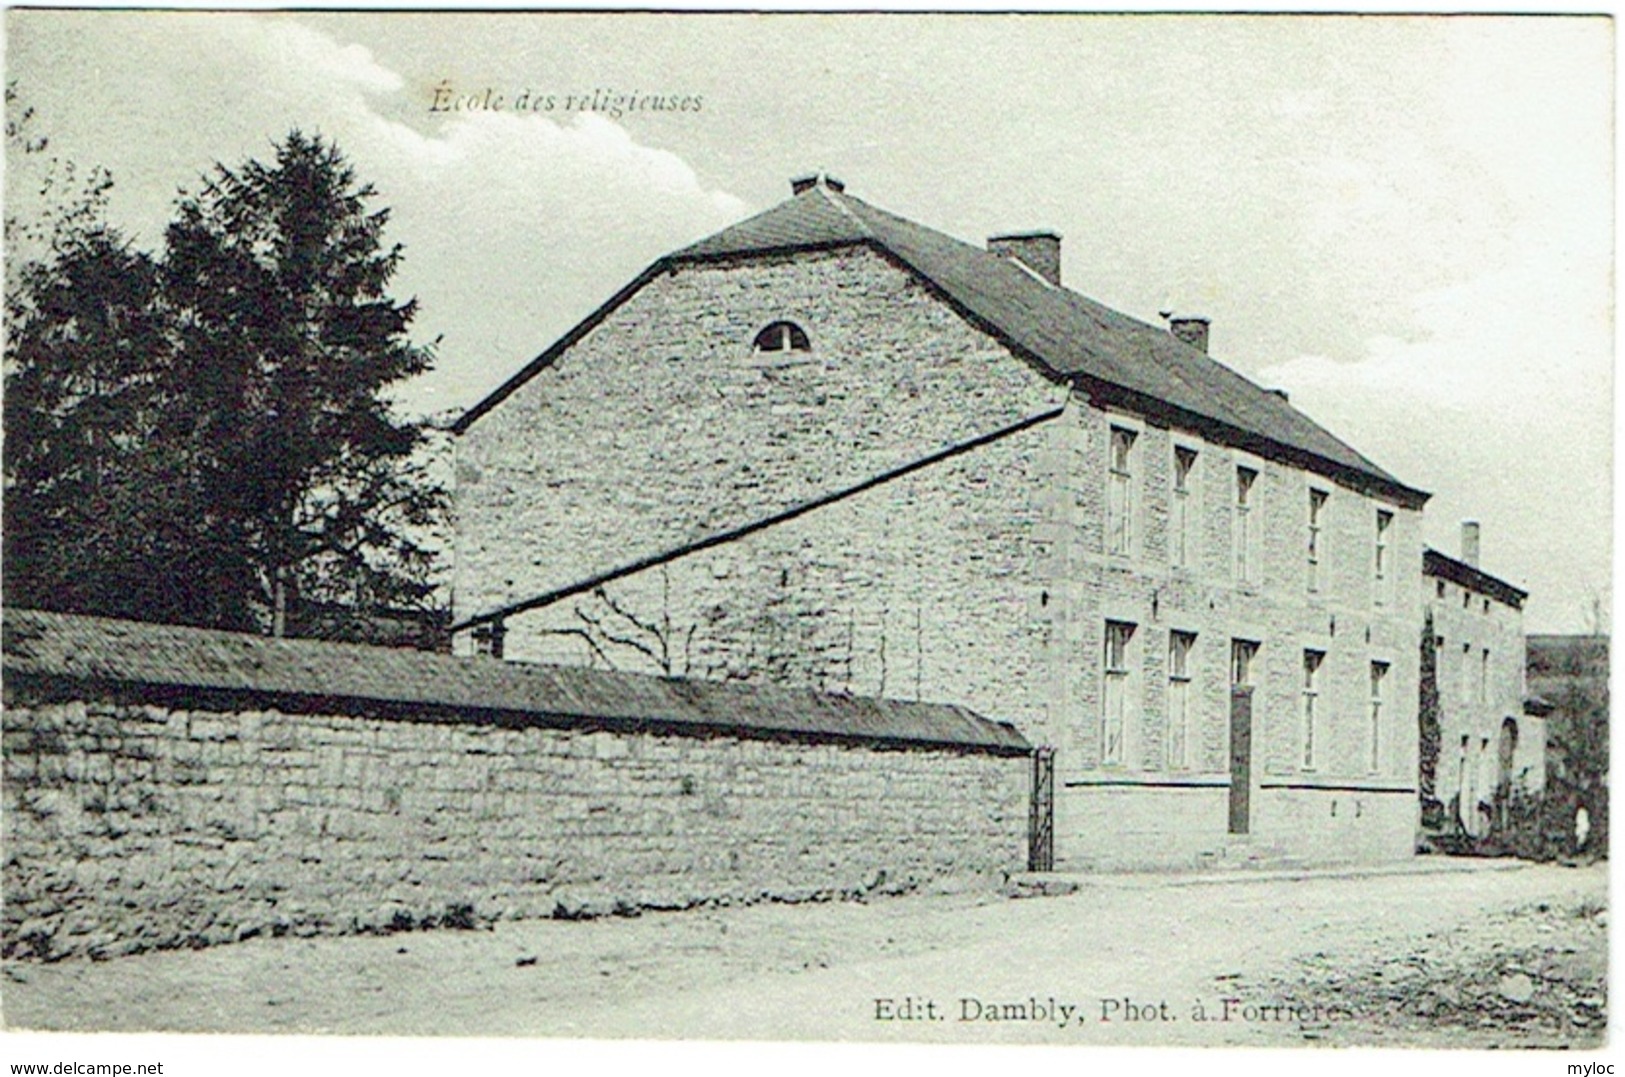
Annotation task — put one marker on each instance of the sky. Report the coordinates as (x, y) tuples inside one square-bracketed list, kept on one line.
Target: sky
[(1405, 222)]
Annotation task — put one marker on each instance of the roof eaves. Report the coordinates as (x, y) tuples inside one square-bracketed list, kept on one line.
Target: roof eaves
[(1226, 433), (568, 340), (1446, 567)]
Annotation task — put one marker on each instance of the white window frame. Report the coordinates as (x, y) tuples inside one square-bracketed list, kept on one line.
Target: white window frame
[(1241, 673), (1180, 693), (1312, 662), (1318, 500), (1383, 557), (1245, 528), (1466, 674), (1120, 500), (1379, 682), (1184, 548), (1117, 678)]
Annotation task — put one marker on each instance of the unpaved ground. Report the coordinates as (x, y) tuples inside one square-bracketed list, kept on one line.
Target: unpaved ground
[(1379, 955), (1533, 977)]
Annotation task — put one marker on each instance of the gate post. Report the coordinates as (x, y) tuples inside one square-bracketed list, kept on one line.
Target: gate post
[(1041, 812)]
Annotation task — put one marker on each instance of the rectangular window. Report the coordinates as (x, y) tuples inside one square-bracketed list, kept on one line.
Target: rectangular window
[(1466, 672), (1183, 540), (1120, 496), (1179, 699), (1379, 680), (1311, 701), (1384, 570), (1246, 477), (1242, 654), (1114, 714), (1484, 676), (1317, 507)]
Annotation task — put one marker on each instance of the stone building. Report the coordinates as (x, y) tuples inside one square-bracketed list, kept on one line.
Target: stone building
[(829, 446), (1488, 745)]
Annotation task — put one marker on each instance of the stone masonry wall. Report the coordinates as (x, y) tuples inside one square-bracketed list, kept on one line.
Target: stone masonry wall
[(1479, 648), (922, 588), (662, 426), (983, 580), (131, 826)]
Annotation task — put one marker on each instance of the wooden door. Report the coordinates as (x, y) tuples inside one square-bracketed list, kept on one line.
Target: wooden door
[(1241, 758)]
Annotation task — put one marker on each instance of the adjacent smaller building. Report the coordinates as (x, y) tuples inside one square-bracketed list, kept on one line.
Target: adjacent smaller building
[(1488, 746)]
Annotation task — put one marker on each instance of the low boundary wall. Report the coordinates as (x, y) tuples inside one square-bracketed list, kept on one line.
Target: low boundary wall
[(171, 787)]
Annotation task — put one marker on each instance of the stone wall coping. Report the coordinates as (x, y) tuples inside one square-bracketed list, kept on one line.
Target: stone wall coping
[(347, 678)]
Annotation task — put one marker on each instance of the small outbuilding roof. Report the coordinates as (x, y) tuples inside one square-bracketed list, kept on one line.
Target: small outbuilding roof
[(1064, 334), (312, 674)]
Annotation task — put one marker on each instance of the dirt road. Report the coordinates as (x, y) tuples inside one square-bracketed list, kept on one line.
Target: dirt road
[(1125, 960)]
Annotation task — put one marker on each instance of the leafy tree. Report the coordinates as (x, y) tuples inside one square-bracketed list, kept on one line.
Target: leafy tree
[(309, 489), (205, 438), (1577, 734), (84, 526)]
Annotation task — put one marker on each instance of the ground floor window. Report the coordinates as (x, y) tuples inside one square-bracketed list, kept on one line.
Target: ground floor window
[(1179, 699), (1114, 714)]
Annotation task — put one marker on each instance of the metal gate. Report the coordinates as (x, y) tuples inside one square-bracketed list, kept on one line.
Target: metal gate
[(1041, 815)]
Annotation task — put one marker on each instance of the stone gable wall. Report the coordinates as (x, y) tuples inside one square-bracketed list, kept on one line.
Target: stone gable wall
[(663, 426), (983, 580)]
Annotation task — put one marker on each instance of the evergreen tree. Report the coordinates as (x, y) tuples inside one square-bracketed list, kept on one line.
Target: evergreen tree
[(206, 438), (86, 527), (286, 342)]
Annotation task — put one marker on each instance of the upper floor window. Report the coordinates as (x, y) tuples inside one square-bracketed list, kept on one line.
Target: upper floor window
[(782, 337), (1384, 556), (1120, 496), (1183, 540), (1317, 509), (1246, 526)]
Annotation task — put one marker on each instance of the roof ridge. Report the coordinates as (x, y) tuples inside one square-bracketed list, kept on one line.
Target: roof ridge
[(838, 204), (1061, 332)]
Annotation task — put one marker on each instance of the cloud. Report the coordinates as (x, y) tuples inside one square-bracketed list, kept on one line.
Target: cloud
[(284, 45), (1501, 403), (514, 227)]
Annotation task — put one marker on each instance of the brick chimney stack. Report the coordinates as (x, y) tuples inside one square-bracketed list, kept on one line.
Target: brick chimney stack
[(815, 179), (1191, 329), (1038, 251), (1469, 542)]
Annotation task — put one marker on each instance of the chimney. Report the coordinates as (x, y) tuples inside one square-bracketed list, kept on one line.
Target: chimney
[(1469, 542), (1038, 251), (1192, 330), (817, 179)]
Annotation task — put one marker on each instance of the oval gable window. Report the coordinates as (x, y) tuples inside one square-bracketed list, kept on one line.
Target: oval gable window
[(782, 337)]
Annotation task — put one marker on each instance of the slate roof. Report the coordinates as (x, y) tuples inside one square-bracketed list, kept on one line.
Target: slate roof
[(1066, 335), (1446, 567), (313, 674)]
